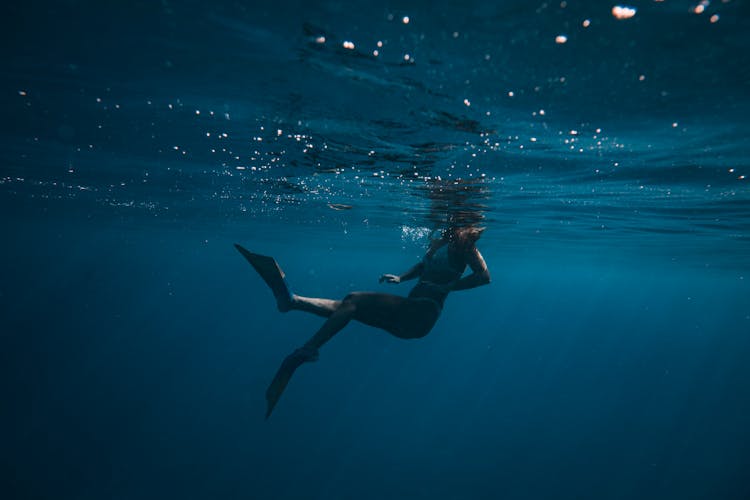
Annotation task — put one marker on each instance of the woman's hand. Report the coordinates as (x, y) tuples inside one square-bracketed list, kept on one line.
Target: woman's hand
[(389, 278)]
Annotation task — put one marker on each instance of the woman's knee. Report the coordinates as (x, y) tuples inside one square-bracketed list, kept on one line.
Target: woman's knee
[(351, 300), (353, 297)]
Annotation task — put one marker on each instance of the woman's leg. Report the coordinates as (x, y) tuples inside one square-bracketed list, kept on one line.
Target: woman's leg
[(321, 307), (337, 320), (335, 323), (381, 310), (271, 273), (402, 317)]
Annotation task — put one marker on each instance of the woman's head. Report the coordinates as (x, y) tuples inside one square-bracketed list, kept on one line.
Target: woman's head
[(463, 236)]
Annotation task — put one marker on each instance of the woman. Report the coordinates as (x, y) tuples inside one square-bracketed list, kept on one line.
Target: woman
[(439, 273)]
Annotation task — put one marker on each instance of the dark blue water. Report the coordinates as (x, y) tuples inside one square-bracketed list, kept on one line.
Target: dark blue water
[(608, 358)]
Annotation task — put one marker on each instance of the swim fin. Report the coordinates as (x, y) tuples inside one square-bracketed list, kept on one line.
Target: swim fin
[(269, 270), (284, 374)]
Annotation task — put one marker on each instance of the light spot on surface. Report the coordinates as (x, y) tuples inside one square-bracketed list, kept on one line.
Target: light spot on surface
[(320, 39), (586, 23), (405, 20), (623, 12), (22, 93), (467, 102), (715, 18), (348, 45), (560, 39)]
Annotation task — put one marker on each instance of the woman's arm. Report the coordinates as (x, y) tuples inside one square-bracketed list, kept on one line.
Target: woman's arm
[(417, 270), (412, 273), (480, 275)]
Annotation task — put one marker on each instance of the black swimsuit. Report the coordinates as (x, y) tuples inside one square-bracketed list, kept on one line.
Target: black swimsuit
[(441, 269)]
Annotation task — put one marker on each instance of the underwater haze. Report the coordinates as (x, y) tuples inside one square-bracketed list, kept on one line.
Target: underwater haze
[(603, 146)]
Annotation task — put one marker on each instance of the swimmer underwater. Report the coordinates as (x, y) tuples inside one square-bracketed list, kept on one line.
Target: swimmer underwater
[(439, 273)]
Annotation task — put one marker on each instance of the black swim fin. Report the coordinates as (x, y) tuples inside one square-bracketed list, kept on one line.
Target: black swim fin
[(269, 270), (284, 374)]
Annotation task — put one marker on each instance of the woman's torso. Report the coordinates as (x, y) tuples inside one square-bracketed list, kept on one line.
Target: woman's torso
[(442, 265)]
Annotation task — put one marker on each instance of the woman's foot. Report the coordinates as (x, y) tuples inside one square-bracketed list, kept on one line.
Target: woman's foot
[(272, 274)]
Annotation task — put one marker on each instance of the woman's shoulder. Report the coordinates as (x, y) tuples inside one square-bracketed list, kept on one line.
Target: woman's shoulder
[(463, 251), (435, 245)]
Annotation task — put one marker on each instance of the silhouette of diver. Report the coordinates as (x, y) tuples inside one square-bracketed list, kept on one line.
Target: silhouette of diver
[(411, 317)]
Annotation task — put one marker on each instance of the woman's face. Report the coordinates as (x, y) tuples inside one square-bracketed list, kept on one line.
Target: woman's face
[(464, 236)]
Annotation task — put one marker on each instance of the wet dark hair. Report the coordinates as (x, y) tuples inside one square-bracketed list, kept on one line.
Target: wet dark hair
[(464, 236)]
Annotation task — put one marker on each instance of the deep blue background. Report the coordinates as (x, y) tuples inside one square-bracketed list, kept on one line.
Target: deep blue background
[(136, 362), (607, 359)]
